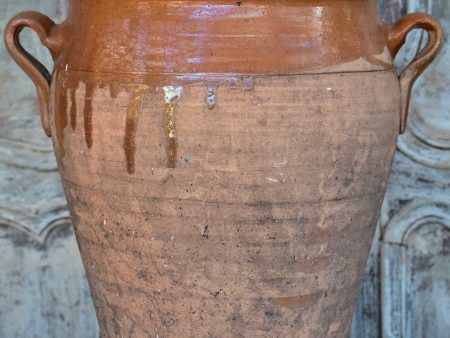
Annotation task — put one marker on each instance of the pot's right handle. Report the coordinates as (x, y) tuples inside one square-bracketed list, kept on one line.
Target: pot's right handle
[(396, 37), (44, 28)]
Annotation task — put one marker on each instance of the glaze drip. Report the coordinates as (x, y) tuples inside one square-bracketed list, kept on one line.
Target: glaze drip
[(131, 125), (73, 109), (113, 87), (61, 118), (114, 90), (87, 113), (171, 97)]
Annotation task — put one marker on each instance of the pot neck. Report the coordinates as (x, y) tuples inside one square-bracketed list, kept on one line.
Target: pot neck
[(252, 36)]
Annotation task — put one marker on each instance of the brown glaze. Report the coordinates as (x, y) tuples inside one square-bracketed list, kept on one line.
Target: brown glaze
[(396, 37), (73, 109), (131, 125), (226, 160), (254, 36), (87, 113), (61, 119), (171, 96), (171, 140), (114, 89)]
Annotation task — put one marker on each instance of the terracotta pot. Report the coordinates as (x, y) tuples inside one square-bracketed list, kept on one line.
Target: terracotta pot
[(224, 162)]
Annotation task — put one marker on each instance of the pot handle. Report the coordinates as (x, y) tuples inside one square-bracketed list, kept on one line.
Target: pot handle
[(396, 37), (43, 26)]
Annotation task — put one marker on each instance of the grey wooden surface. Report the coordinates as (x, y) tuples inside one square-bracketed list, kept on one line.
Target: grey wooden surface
[(43, 289), (406, 288)]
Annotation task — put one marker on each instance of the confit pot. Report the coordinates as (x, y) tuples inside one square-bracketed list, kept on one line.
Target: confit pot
[(224, 161)]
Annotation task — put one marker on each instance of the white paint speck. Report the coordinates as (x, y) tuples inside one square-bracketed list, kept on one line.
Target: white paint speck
[(283, 162), (172, 94)]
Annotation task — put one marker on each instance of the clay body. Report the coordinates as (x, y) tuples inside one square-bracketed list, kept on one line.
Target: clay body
[(224, 162)]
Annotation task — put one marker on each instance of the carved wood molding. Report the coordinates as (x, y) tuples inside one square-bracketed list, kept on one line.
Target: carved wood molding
[(45, 217), (427, 139), (26, 155), (394, 261)]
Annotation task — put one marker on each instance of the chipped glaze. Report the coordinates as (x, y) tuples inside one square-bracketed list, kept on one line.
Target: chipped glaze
[(211, 98)]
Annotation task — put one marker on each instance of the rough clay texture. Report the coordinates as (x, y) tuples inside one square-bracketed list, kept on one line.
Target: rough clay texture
[(263, 227)]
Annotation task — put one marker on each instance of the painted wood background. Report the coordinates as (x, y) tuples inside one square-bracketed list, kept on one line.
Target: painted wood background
[(406, 289)]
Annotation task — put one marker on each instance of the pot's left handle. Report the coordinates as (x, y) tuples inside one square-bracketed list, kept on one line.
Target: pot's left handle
[(396, 37), (44, 28)]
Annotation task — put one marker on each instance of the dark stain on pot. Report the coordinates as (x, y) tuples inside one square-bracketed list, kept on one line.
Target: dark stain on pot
[(73, 108), (186, 158), (347, 182), (263, 122), (87, 113), (131, 125), (205, 233), (314, 265), (298, 301), (144, 275)]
